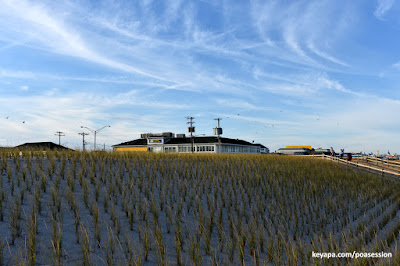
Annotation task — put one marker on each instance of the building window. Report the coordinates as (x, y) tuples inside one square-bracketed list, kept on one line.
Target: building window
[(170, 149), (156, 149), (183, 149)]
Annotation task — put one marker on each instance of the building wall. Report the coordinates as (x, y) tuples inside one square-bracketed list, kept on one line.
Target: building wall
[(294, 151), (123, 149)]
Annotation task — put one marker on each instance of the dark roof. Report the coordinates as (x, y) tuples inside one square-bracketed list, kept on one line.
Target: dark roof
[(136, 142), (211, 139), (208, 140), (41, 145), (262, 146)]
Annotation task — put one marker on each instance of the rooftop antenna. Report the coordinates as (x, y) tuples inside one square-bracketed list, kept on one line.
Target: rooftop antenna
[(218, 132), (59, 134), (191, 129)]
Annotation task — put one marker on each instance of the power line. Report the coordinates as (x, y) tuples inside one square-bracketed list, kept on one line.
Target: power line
[(83, 141), (59, 134)]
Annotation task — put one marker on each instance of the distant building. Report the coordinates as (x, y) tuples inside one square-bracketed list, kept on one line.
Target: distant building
[(301, 146), (168, 142), (41, 146), (5, 148), (294, 151), (322, 151)]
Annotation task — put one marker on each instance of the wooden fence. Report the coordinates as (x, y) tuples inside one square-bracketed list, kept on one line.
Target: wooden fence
[(371, 164)]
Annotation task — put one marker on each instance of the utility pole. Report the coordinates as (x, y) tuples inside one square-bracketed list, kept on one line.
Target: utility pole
[(83, 137), (95, 133), (218, 132), (59, 134), (191, 129)]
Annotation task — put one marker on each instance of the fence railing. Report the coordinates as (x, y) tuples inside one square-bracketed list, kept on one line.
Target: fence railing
[(388, 162), (385, 166)]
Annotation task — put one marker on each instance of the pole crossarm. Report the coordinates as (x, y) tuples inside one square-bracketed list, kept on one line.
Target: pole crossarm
[(59, 134), (83, 139)]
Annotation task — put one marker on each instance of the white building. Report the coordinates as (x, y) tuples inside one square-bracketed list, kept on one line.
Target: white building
[(168, 142)]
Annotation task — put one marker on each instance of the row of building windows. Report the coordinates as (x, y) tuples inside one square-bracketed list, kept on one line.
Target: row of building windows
[(183, 149), (205, 148), (240, 149), (197, 149), (211, 148)]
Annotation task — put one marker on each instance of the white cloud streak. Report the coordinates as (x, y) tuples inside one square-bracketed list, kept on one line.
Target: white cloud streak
[(42, 27), (382, 8), (299, 26)]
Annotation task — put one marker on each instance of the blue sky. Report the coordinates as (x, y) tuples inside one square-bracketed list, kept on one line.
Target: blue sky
[(321, 73)]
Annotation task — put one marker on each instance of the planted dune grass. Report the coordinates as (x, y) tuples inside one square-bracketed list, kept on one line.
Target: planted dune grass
[(142, 208)]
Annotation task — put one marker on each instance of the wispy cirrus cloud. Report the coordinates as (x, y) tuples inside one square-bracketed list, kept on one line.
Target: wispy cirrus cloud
[(307, 29), (16, 74), (241, 104), (323, 55), (45, 30), (61, 37), (382, 8)]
